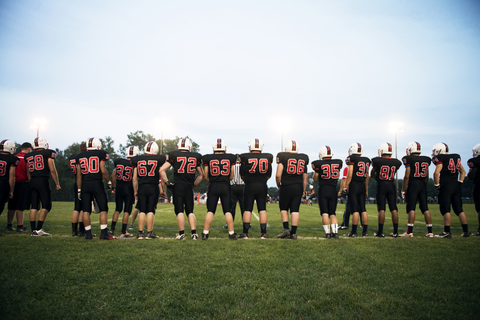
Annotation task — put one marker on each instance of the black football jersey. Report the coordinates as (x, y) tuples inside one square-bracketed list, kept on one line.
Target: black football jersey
[(328, 171), (184, 165), (385, 168), (37, 162), (89, 162), (418, 166), (294, 166), (219, 166), (73, 164), (360, 167), (475, 163), (6, 162), (256, 167), (148, 168), (123, 172), (451, 166)]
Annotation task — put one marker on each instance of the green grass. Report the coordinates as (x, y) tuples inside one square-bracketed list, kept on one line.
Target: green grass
[(61, 277)]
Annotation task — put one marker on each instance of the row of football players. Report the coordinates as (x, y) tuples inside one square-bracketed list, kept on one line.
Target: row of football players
[(291, 178), (142, 173)]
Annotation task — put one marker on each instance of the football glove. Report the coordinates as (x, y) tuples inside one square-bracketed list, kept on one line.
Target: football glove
[(79, 193), (437, 186)]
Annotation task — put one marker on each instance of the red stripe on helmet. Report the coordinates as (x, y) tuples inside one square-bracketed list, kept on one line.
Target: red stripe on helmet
[(329, 151), (446, 147), (219, 143), (389, 147), (294, 146)]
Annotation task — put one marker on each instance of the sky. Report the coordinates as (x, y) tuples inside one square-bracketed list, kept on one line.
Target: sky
[(318, 72)]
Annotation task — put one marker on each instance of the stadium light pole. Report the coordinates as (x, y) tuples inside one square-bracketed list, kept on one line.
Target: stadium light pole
[(396, 127), (163, 123), (37, 124), (281, 124)]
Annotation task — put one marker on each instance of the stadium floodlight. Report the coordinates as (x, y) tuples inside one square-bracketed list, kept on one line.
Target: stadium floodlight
[(37, 124)]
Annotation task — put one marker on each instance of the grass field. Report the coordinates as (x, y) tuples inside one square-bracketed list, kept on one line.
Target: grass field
[(62, 277)]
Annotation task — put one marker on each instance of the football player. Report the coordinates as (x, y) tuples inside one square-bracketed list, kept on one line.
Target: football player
[(291, 178), (474, 174), (187, 174), (21, 194), (383, 170), (8, 163), (41, 164), (447, 178), (357, 187), (77, 214), (327, 173), (415, 188), (123, 190), (90, 171), (256, 169), (146, 175), (218, 171), (238, 190)]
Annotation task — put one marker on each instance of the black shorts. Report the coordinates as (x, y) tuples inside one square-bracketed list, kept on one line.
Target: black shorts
[(183, 198), (386, 192), (476, 197), (222, 191), (40, 193), (21, 197), (77, 203), (93, 189), (255, 191), (416, 190), (450, 195), (4, 194), (327, 199), (357, 194), (124, 195), (291, 197), (148, 194)]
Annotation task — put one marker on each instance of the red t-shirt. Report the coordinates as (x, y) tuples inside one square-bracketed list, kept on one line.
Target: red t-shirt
[(345, 172), (21, 170)]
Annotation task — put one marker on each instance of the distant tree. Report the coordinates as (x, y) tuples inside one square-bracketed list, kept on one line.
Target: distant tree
[(137, 138)]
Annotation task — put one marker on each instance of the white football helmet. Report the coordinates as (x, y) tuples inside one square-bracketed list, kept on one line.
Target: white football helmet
[(476, 150), (132, 151), (94, 144), (385, 149), (255, 145), (325, 152), (7, 146), (291, 146), (413, 148), (151, 148), (219, 145), (40, 143), (184, 144), (439, 148), (355, 148)]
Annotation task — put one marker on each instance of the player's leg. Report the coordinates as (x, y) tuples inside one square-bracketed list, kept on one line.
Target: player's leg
[(249, 197), (225, 193), (261, 199), (212, 199)]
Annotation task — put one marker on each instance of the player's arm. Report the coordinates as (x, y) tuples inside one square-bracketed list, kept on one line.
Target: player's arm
[(53, 172), (342, 186), (232, 171), (278, 174), (305, 182), (135, 182), (367, 179), (11, 181), (406, 178), (79, 177), (205, 173), (199, 176), (113, 178), (462, 174), (349, 176), (373, 172), (436, 175), (163, 171), (472, 173), (315, 176)]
